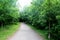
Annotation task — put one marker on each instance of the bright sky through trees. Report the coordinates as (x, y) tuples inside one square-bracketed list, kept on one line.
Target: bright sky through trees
[(23, 3)]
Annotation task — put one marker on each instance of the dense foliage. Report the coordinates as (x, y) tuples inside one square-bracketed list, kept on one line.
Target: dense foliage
[(42, 14), (45, 15), (8, 12)]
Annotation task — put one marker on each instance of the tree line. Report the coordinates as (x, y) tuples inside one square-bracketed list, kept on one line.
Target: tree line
[(8, 12), (44, 15)]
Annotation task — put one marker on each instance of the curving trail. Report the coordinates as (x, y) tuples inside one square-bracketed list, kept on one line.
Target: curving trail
[(25, 33)]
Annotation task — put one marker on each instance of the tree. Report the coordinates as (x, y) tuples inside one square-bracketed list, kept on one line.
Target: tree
[(8, 11)]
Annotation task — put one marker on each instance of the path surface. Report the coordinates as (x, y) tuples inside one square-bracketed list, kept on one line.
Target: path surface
[(25, 33)]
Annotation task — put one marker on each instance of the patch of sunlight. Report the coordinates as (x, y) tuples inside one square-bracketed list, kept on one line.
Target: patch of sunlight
[(21, 4)]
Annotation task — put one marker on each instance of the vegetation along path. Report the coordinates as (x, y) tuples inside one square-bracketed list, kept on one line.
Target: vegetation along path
[(25, 33)]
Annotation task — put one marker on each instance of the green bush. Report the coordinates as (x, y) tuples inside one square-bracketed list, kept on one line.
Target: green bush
[(55, 32)]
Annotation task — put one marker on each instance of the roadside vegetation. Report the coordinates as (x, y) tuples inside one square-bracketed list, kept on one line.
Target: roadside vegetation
[(44, 15), (42, 33), (8, 30), (8, 18)]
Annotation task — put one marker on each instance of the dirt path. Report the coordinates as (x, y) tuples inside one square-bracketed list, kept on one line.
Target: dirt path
[(25, 33)]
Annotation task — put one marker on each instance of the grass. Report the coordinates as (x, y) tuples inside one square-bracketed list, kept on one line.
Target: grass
[(42, 33), (8, 30)]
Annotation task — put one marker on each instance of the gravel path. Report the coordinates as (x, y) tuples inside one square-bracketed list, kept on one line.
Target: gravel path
[(25, 33)]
